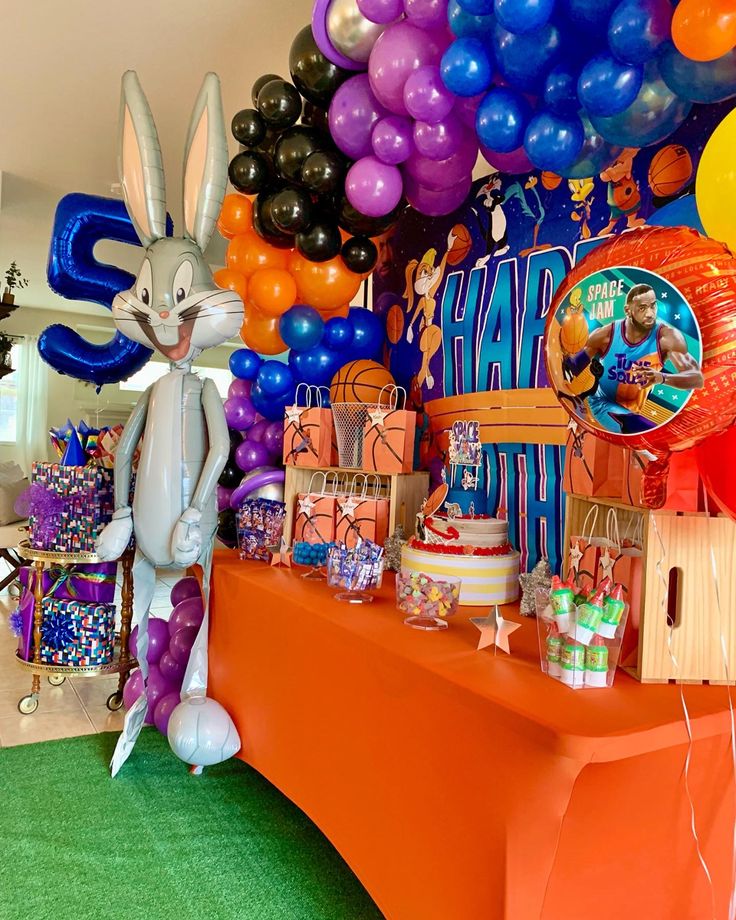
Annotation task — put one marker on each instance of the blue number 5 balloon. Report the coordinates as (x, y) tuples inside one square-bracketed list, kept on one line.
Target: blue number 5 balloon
[(81, 221)]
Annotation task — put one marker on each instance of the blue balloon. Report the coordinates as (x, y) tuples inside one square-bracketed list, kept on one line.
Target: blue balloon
[(275, 378), (502, 119), (525, 60), (587, 13), (561, 90), (682, 212), (369, 335), (80, 222), (655, 114), (595, 155), (466, 67), (244, 363), (338, 333), (477, 7), (698, 81), (317, 365), (463, 24), (523, 15), (638, 28), (301, 327), (271, 407), (606, 86), (553, 142)]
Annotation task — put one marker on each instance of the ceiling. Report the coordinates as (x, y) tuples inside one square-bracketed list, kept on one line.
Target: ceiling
[(59, 97)]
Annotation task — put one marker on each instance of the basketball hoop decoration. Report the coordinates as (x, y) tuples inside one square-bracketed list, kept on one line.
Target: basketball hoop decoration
[(356, 389)]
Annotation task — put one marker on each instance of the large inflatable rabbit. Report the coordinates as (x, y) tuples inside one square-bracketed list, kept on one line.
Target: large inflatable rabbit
[(175, 307)]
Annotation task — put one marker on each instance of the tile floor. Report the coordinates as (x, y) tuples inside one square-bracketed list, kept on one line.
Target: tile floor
[(77, 707)]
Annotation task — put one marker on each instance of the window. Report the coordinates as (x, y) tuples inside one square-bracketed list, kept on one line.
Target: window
[(9, 399), (156, 369)]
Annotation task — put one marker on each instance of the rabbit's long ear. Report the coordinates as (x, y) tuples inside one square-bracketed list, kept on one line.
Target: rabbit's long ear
[(140, 165), (205, 164)]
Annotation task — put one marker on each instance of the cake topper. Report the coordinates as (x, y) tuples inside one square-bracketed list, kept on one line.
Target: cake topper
[(465, 446)]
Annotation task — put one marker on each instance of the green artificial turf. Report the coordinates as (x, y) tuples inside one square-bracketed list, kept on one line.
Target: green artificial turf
[(157, 842)]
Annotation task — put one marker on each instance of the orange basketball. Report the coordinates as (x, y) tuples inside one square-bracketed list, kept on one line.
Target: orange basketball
[(550, 180), (394, 324), (360, 381), (461, 245), (670, 170), (574, 333)]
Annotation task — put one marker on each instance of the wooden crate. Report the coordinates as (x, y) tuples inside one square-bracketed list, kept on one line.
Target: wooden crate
[(405, 492), (678, 586)]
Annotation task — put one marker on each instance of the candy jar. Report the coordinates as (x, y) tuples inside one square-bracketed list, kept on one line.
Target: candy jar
[(427, 601)]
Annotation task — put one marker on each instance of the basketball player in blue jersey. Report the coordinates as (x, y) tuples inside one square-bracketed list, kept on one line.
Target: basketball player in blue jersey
[(628, 358)]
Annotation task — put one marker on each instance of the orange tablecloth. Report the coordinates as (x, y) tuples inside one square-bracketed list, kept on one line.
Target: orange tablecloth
[(463, 785)]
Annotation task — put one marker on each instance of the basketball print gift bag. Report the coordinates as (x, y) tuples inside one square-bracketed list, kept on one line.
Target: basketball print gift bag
[(362, 514), (314, 520), (593, 467), (388, 434), (307, 430)]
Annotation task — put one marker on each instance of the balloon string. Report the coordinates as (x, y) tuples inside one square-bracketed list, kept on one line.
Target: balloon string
[(686, 714), (724, 655)]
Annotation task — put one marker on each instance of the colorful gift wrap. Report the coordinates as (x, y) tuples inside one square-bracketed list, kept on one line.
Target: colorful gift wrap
[(79, 504), (77, 633)]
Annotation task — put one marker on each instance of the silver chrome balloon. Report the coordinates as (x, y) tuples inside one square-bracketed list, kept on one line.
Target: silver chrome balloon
[(350, 32)]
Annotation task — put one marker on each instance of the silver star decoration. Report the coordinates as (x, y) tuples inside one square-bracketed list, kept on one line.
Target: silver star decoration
[(576, 554), (306, 505), (494, 630), (607, 563), (378, 415), (540, 577), (348, 506), (293, 415)]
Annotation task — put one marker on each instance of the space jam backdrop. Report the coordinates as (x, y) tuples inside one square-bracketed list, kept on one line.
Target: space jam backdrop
[(466, 298)]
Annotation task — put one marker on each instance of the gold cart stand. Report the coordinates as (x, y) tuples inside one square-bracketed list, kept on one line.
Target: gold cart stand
[(121, 664)]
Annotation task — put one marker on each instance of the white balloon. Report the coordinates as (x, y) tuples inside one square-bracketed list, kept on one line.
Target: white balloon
[(350, 32), (202, 733)]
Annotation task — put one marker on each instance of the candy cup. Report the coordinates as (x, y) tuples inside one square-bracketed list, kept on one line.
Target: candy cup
[(427, 601)]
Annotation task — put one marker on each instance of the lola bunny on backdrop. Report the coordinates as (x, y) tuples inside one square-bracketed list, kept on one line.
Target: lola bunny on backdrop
[(175, 307)]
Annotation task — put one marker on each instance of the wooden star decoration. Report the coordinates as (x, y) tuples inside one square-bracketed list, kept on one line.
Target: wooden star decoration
[(306, 505), (378, 415), (282, 556), (294, 414), (607, 562), (494, 630), (576, 554), (348, 506)]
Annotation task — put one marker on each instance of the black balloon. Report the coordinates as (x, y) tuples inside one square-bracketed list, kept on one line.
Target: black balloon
[(321, 242), (315, 117), (315, 77), (359, 254), (230, 476), (236, 438), (248, 128), (227, 528), (360, 225), (293, 148), (260, 83), (279, 104), (249, 172), (264, 224), (291, 210), (323, 172)]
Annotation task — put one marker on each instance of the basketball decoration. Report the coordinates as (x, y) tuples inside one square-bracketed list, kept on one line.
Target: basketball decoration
[(574, 331), (394, 324), (461, 246), (681, 266), (670, 170), (550, 180), (361, 382), (436, 500)]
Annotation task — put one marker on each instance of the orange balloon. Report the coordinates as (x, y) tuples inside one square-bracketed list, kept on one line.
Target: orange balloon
[(338, 311), (704, 30), (248, 252), (272, 290), (324, 285), (232, 280), (261, 333), (236, 216)]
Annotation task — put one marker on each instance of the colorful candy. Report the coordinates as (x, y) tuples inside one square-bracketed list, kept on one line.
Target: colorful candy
[(357, 568), (314, 554), (260, 526), (420, 595)]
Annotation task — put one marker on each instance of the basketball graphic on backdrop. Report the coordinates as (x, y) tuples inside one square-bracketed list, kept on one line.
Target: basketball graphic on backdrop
[(574, 328), (670, 170), (461, 245), (394, 324), (361, 381), (550, 180)]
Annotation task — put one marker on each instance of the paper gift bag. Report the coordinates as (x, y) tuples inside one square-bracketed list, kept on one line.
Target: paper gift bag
[(362, 514), (621, 561), (592, 466), (388, 434), (684, 489), (308, 429), (314, 519), (585, 552)]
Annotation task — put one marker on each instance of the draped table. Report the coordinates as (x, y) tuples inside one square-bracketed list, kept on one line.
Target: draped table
[(466, 785)]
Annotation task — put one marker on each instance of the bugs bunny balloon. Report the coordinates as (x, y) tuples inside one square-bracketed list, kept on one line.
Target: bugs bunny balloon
[(175, 307)]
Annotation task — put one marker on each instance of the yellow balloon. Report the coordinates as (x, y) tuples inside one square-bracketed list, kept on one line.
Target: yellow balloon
[(715, 183)]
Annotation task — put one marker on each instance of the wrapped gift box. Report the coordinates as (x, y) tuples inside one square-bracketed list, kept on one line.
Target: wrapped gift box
[(77, 633), (80, 503)]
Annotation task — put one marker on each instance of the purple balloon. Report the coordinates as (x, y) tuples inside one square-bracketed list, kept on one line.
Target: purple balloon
[(171, 669), (273, 439), (354, 110), (133, 642), (156, 687), (250, 454), (189, 612), (258, 430), (381, 10), (223, 498), (391, 139), (510, 163), (466, 108), (436, 175), (133, 688), (441, 140), (402, 49), (181, 643), (184, 588), (426, 96), (427, 14), (372, 187), (436, 203), (268, 477), (239, 412), (162, 713), (158, 639), (240, 387)]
